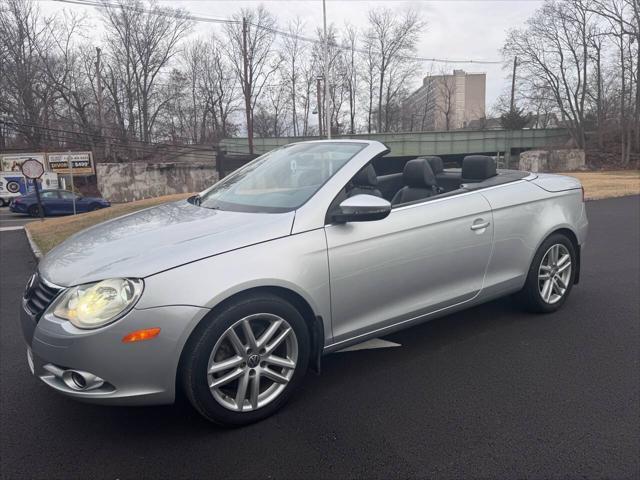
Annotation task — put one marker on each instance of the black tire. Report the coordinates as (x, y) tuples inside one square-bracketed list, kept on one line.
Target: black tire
[(94, 207), (34, 211), (195, 359), (530, 296), (3, 202)]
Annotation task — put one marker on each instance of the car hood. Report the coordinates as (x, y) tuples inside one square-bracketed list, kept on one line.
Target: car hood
[(157, 239)]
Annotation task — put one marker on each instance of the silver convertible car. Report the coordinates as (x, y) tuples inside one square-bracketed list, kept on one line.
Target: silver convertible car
[(232, 295)]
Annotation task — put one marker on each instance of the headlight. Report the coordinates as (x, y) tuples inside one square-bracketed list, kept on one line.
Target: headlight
[(97, 304)]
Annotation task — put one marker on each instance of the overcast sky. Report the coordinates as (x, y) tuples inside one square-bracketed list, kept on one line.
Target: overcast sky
[(456, 29)]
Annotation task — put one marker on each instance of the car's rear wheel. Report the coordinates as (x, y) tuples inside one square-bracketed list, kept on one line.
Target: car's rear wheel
[(34, 211), (551, 275), (246, 361)]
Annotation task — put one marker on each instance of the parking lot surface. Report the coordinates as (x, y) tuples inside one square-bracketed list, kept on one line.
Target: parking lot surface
[(487, 393)]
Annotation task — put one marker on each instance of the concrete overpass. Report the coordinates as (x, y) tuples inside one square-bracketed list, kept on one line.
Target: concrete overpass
[(452, 143)]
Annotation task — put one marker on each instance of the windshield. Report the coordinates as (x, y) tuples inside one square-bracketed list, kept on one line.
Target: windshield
[(281, 180)]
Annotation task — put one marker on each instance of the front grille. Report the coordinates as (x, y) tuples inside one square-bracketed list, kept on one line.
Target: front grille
[(39, 295)]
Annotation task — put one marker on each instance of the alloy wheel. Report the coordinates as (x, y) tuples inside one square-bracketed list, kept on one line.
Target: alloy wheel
[(554, 273), (252, 362)]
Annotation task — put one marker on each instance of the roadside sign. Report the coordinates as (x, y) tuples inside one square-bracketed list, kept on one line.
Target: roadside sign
[(32, 168), (13, 162), (76, 163)]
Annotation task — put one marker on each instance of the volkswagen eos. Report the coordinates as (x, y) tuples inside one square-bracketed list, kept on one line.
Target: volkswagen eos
[(232, 295)]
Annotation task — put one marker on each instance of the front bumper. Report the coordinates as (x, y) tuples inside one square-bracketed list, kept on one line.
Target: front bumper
[(17, 207), (141, 373)]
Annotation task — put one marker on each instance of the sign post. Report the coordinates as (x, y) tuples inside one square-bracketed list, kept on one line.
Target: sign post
[(33, 170), (73, 187)]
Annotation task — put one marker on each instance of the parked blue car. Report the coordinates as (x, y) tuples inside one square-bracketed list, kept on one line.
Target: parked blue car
[(56, 202)]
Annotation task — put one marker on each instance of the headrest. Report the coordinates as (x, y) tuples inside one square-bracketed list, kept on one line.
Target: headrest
[(418, 174), (366, 177), (436, 164), (476, 168)]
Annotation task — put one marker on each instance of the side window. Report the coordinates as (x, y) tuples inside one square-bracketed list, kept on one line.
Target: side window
[(67, 195), (49, 194)]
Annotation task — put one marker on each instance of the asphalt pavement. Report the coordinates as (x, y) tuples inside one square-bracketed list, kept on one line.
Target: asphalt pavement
[(487, 393), (13, 221)]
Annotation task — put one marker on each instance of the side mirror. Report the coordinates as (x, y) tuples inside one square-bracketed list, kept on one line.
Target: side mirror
[(362, 208)]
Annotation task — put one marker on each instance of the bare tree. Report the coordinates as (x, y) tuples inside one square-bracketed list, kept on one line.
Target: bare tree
[(624, 18), (250, 53), (445, 85), (351, 73), (392, 38), (369, 73), (69, 69), (142, 41), (554, 46), (294, 51), (25, 98), (308, 76)]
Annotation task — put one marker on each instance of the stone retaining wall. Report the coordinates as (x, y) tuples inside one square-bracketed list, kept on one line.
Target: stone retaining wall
[(124, 182), (561, 160)]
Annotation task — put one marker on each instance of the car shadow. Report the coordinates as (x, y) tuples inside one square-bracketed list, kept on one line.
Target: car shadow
[(339, 371)]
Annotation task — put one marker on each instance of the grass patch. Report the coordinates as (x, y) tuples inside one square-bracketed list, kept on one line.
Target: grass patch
[(605, 184), (52, 231)]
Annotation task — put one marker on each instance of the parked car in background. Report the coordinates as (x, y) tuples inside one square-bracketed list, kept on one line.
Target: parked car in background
[(56, 202), (232, 294)]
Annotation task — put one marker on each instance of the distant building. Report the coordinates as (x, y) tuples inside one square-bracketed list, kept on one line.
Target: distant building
[(445, 102)]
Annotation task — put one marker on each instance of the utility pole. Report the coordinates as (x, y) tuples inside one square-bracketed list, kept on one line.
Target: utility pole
[(247, 86), (513, 84), (100, 103), (327, 123), (319, 102)]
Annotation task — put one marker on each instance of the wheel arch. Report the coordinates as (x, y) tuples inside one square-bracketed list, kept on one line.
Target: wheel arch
[(315, 323), (573, 238)]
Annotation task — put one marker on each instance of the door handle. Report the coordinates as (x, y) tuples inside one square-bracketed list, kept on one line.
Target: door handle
[(480, 226)]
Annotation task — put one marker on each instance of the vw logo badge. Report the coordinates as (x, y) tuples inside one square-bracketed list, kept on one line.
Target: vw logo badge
[(253, 361)]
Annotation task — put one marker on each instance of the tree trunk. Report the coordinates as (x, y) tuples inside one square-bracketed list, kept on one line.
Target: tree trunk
[(380, 90), (247, 86)]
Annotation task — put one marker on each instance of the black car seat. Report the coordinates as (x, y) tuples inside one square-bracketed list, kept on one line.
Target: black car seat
[(476, 168), (448, 181), (419, 181), (365, 182)]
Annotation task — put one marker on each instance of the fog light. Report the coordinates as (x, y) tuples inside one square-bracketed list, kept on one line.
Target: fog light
[(79, 380), (76, 379)]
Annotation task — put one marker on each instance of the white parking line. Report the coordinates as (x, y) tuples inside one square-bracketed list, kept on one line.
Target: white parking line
[(8, 229)]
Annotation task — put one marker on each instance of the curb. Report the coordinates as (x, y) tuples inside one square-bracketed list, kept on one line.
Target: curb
[(34, 248)]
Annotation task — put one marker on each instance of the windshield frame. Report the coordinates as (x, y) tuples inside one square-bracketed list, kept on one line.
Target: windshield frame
[(252, 208)]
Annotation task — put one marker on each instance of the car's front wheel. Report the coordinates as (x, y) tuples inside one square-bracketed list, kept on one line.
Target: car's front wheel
[(245, 363), (551, 275)]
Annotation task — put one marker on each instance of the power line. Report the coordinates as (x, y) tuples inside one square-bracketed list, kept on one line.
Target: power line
[(200, 18), (146, 147)]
